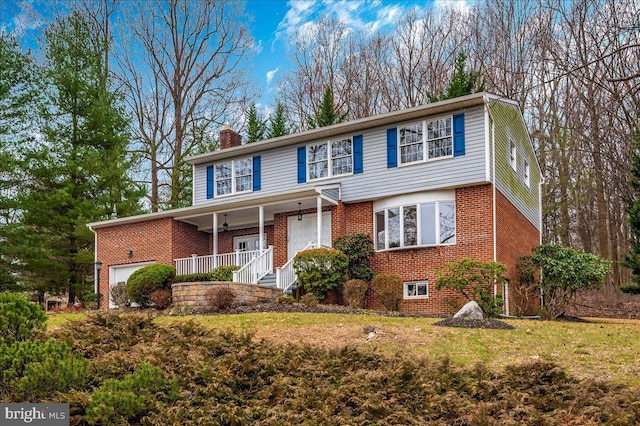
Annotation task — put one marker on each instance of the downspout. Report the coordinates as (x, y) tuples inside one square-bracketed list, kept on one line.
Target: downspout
[(540, 224), (493, 208), (95, 259)]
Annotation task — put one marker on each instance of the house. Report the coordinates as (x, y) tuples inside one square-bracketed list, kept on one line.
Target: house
[(430, 184)]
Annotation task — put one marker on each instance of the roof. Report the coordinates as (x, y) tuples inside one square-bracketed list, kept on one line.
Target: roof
[(347, 127)]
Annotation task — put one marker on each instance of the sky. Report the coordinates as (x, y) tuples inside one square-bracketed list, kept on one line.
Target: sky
[(274, 21)]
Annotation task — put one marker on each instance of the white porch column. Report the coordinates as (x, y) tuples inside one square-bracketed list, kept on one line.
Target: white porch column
[(319, 220), (261, 236), (215, 240)]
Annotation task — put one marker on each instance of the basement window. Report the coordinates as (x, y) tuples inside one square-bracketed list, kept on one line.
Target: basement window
[(416, 290)]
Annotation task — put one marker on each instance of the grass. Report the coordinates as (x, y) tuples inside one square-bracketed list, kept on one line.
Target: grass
[(604, 349)]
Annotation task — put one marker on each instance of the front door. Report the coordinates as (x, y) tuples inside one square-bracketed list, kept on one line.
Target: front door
[(301, 232)]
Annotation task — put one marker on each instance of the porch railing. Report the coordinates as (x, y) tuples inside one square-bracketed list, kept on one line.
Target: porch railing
[(256, 268), (285, 275), (202, 264)]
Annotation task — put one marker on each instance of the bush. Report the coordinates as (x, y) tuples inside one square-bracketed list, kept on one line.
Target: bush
[(32, 370), (354, 292), (630, 289), (20, 319), (359, 250), (475, 281), (221, 298), (309, 300), (148, 279), (286, 299), (320, 270), (161, 299), (388, 290), (221, 273), (118, 295), (90, 300)]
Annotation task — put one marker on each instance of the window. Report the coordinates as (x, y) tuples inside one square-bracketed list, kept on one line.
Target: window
[(437, 142), (513, 160), (234, 176), (416, 290), (333, 158), (415, 225), (527, 176)]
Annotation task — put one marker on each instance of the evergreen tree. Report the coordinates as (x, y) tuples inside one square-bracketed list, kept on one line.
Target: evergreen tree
[(327, 113), (462, 82), (78, 172), (278, 123), (256, 127), (633, 211)]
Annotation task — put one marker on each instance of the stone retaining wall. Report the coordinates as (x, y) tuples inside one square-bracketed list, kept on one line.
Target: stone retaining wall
[(193, 294)]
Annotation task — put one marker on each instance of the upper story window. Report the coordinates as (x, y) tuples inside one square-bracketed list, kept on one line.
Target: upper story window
[(422, 224), (418, 145), (527, 174), (513, 154), (234, 176), (333, 158)]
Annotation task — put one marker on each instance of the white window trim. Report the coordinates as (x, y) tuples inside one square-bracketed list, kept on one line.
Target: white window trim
[(417, 283), (330, 173), (425, 141), (418, 225), (527, 174), (513, 154), (233, 177)]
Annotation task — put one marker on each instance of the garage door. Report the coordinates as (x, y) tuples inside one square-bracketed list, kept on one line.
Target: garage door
[(305, 230), (122, 273)]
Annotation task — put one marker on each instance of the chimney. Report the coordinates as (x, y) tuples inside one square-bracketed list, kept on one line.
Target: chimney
[(229, 138)]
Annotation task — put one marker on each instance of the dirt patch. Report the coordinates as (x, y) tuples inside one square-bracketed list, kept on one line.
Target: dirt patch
[(474, 323)]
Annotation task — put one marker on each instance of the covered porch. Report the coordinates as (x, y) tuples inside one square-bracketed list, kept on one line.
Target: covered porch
[(260, 234)]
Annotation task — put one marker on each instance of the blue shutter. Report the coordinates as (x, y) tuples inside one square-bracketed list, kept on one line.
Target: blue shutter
[(302, 164), (458, 135), (209, 182), (357, 154), (392, 148), (256, 173)]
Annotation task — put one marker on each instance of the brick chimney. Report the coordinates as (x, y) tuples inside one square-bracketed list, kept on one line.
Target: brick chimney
[(229, 138)]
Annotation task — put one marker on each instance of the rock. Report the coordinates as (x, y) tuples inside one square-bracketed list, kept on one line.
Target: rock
[(371, 336), (471, 310)]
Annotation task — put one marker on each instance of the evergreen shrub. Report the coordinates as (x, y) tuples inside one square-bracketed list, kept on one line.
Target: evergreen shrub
[(354, 292), (388, 290), (359, 250), (630, 289), (320, 270), (20, 319), (286, 299), (148, 279), (221, 273)]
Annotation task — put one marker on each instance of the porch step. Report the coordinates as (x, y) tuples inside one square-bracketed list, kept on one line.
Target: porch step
[(268, 280)]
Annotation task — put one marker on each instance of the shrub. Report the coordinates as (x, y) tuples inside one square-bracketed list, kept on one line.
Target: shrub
[(90, 300), (33, 370), (148, 279), (320, 270), (20, 319), (161, 299), (221, 273), (475, 281), (388, 290), (630, 289), (354, 292), (359, 250), (221, 298), (286, 299), (118, 295), (309, 300)]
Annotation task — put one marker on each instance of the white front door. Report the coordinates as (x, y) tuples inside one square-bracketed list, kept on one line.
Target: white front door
[(301, 232), (118, 274)]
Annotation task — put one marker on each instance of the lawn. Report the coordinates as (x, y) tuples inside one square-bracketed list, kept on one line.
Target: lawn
[(604, 349)]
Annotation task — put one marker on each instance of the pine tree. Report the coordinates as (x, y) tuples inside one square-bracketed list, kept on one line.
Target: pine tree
[(462, 82), (327, 113), (278, 123), (256, 127), (632, 260), (78, 173)]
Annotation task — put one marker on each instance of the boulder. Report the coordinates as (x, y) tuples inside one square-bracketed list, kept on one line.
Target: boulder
[(470, 310)]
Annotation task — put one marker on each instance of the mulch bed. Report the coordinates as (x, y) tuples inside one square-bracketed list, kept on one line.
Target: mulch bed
[(474, 323)]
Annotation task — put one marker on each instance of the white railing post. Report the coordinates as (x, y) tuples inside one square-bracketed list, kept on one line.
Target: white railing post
[(238, 257), (235, 277), (278, 271), (194, 261)]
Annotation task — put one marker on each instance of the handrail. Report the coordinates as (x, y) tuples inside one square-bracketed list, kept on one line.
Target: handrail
[(256, 268), (286, 276), (202, 264)]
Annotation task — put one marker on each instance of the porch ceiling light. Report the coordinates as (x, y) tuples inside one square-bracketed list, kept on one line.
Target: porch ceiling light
[(225, 225), (299, 212)]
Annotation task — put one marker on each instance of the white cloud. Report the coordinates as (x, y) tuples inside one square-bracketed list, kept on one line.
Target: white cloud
[(459, 5), (257, 47), (271, 74), (299, 12)]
